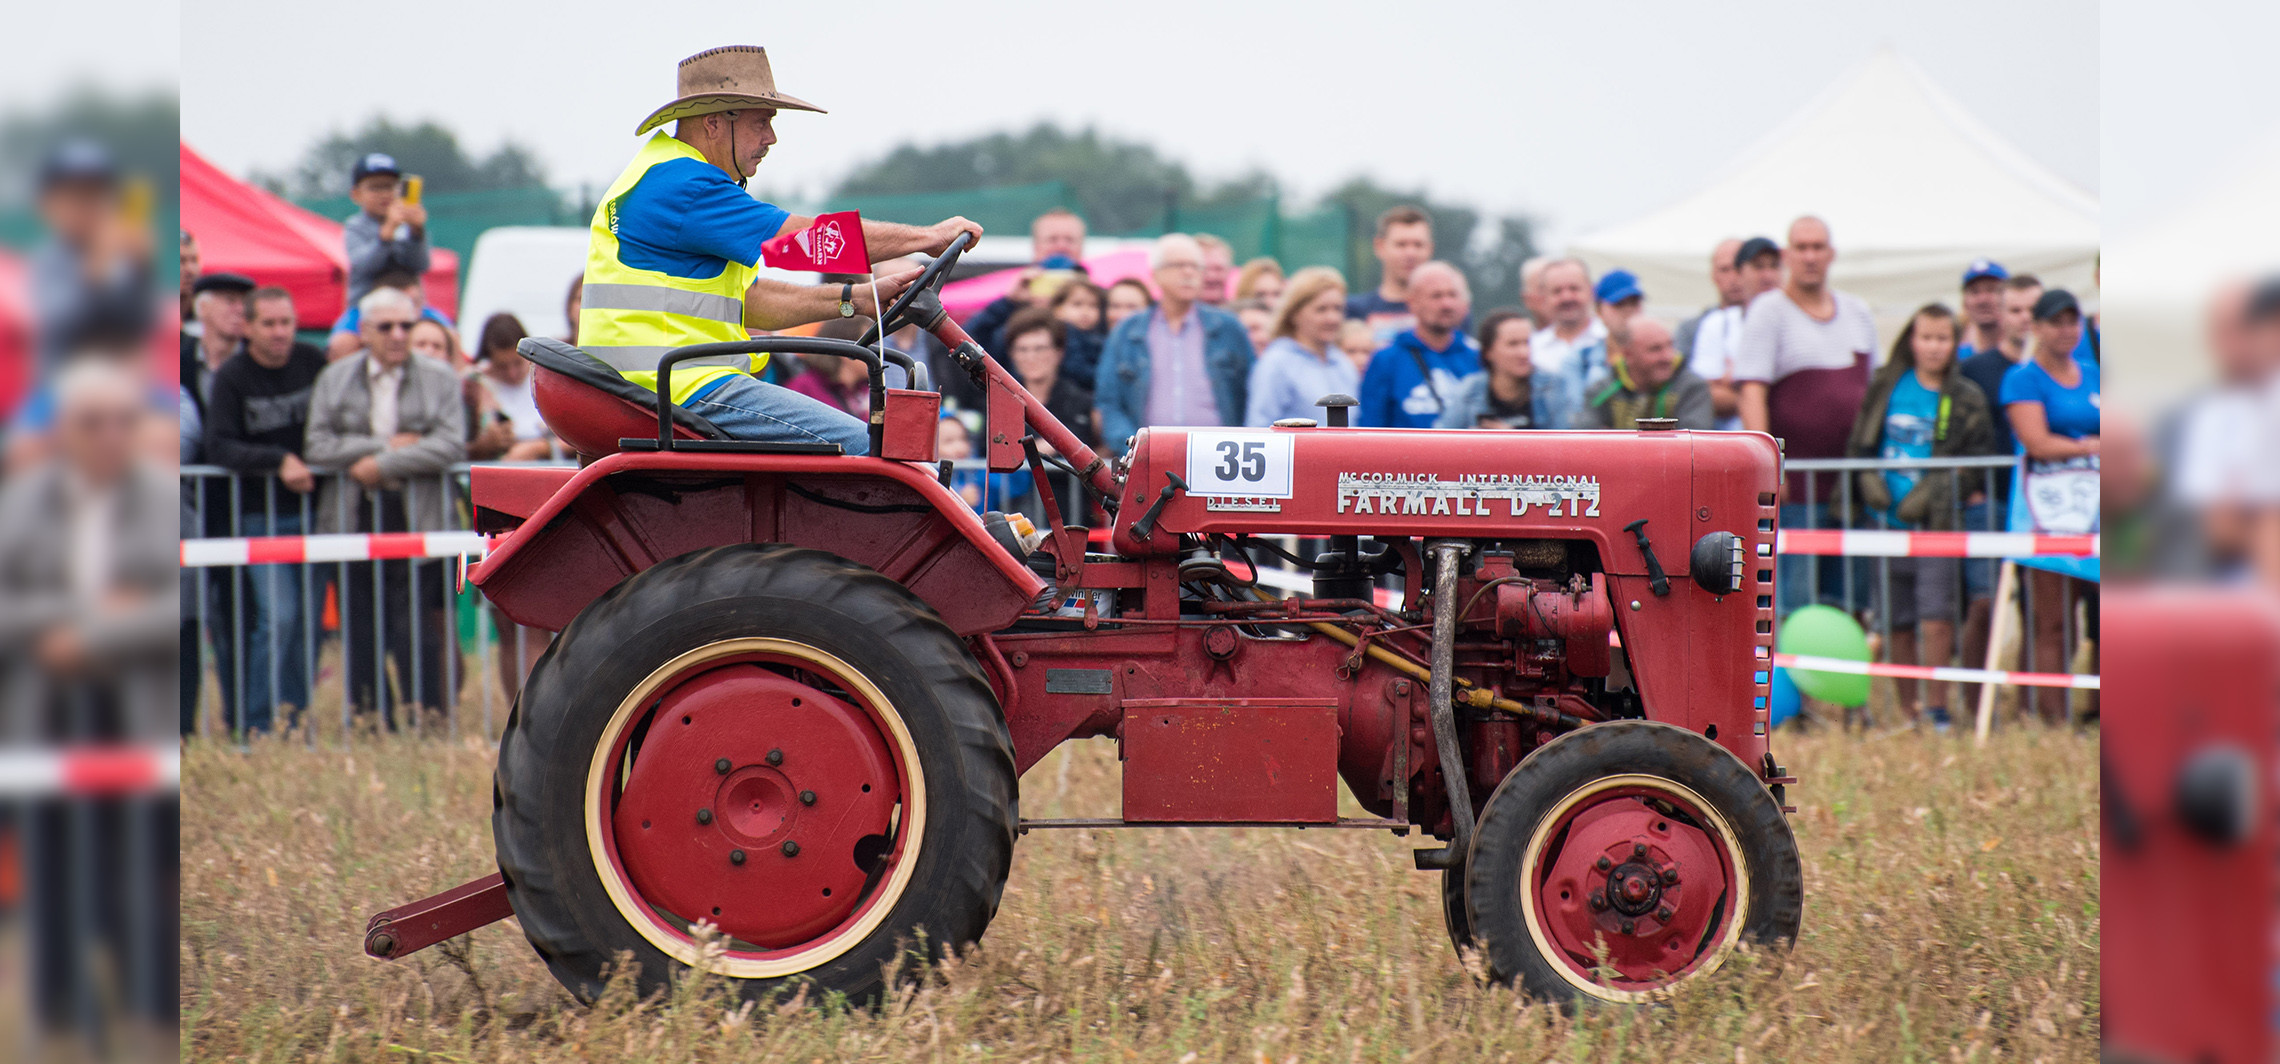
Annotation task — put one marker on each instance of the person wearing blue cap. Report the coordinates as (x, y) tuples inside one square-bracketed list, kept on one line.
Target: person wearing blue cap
[(1617, 299), (386, 233), (1982, 306), (90, 280)]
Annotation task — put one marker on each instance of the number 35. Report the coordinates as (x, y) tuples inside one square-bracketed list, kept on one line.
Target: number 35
[(1242, 460)]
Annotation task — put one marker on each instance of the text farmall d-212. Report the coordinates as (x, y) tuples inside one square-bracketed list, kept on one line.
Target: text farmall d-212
[(794, 691)]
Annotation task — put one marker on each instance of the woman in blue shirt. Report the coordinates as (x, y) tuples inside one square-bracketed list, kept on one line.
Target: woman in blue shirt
[(2051, 400), (1302, 363)]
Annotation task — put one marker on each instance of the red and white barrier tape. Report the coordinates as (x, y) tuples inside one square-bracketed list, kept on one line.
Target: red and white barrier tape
[(1941, 673), (88, 771), (1899, 543), (1859, 543), (343, 547)]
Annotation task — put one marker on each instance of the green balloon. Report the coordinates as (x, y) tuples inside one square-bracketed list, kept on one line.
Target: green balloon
[(1826, 632)]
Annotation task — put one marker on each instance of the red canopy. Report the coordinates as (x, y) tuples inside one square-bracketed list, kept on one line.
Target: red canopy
[(964, 299), (15, 331), (243, 229)]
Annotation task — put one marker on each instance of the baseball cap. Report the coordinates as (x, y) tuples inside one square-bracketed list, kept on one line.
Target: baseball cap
[(1617, 286), (2055, 302), (378, 162), (2264, 301), (1754, 247), (1985, 268), (77, 160), (237, 283)]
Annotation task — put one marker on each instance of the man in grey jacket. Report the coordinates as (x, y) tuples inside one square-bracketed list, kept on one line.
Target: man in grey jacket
[(387, 233), (89, 602), (390, 426)]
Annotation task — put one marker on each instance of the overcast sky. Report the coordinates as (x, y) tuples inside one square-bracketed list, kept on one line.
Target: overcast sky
[(131, 46), (1581, 112)]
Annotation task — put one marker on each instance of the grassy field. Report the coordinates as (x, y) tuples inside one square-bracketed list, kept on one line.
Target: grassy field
[(1951, 915)]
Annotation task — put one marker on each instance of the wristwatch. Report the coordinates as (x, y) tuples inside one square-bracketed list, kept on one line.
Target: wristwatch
[(846, 301)]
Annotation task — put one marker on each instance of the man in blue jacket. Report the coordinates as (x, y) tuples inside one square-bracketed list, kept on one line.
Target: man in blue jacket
[(1181, 363), (1412, 380)]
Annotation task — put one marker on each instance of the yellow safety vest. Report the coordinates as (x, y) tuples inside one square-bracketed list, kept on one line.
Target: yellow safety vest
[(630, 317)]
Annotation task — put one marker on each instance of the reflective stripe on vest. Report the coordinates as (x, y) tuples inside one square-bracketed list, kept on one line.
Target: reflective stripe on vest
[(630, 317)]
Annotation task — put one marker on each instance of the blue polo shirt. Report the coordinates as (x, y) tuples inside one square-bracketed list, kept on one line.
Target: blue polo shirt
[(686, 218)]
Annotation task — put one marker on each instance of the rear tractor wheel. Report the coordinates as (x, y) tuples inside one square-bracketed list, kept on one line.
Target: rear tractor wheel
[(772, 741), (1625, 858)]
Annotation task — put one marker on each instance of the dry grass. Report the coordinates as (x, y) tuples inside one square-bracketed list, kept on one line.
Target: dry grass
[(1951, 914)]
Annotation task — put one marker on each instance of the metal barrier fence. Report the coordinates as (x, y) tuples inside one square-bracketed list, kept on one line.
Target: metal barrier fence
[(260, 631), (255, 637), (265, 623), (2050, 631)]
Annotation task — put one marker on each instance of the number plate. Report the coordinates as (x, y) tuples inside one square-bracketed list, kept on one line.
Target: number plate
[(1251, 464)]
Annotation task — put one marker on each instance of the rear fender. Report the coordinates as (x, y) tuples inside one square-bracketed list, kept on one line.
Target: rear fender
[(631, 510)]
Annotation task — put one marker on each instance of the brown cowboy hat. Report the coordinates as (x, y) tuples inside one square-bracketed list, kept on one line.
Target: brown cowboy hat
[(725, 79)]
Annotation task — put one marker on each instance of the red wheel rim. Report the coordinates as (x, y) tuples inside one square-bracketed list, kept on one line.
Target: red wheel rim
[(1633, 884), (765, 788)]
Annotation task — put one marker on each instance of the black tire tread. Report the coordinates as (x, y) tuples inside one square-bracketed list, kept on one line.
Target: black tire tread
[(1777, 891), (968, 851)]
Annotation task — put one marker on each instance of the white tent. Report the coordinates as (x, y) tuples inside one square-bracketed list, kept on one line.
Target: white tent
[(2162, 274), (1913, 189)]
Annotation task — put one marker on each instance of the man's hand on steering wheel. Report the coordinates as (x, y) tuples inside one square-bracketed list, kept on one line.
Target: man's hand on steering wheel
[(943, 232), (890, 285)]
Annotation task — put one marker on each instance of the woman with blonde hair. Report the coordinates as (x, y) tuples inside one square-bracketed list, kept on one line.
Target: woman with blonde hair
[(1302, 362), (1260, 279)]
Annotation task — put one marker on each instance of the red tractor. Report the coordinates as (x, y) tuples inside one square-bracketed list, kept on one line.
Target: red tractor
[(794, 691)]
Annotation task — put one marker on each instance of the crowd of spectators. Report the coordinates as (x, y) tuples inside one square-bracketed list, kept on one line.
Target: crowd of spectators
[(397, 396), (357, 435)]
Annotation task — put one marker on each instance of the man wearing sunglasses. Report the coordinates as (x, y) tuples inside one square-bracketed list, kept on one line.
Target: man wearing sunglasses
[(393, 424)]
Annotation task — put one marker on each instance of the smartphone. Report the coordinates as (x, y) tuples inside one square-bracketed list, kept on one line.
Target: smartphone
[(412, 184), (135, 199)]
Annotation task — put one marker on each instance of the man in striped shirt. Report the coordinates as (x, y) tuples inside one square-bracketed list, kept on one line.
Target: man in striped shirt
[(1803, 365)]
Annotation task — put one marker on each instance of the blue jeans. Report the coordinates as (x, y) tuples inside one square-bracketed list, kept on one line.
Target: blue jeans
[(748, 409), (276, 635), (1978, 573)]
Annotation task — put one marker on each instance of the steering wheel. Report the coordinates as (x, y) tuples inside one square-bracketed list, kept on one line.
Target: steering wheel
[(935, 271)]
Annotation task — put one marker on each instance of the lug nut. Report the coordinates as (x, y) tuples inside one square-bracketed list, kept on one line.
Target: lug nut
[(1663, 914), (775, 757), (1629, 927), (704, 816), (1670, 877), (736, 857), (1638, 849), (1598, 901), (807, 797), (722, 766), (1603, 864), (791, 849)]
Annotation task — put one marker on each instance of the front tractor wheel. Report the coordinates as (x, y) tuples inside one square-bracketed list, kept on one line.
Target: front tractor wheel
[(772, 741), (1625, 858)]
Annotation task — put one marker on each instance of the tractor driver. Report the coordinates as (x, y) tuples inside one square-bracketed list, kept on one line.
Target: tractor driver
[(674, 253)]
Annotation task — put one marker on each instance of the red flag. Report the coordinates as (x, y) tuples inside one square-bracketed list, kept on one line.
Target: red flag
[(833, 244)]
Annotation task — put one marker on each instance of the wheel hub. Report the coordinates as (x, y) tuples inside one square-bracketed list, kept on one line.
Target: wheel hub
[(1645, 886), (759, 803)]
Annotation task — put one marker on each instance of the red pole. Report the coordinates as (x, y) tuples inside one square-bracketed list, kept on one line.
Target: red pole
[(1088, 464)]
